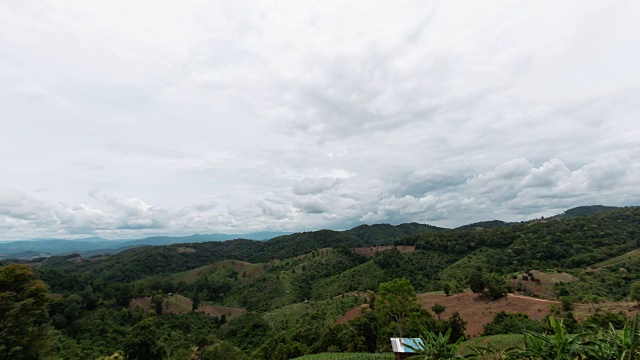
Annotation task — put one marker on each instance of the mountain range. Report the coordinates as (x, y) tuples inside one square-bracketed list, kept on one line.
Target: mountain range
[(96, 245)]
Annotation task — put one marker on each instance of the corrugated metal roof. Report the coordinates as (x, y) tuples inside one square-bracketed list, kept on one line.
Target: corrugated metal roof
[(399, 345)]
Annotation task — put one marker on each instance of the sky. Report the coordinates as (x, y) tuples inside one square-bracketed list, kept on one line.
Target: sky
[(125, 119)]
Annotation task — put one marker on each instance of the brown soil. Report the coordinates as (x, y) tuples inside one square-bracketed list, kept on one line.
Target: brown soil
[(583, 311), (370, 251), (351, 314), (169, 306), (143, 302), (177, 304), (543, 284), (218, 311), (75, 260), (186, 250), (474, 310), (477, 311)]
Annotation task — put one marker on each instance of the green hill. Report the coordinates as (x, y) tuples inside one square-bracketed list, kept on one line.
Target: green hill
[(294, 287), (164, 260)]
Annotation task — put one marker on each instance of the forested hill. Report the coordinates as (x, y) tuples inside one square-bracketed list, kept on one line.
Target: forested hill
[(293, 289), (157, 260), (485, 225), (571, 242), (585, 210), (571, 213)]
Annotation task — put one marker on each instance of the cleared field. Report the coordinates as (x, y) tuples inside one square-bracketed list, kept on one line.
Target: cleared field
[(326, 311), (174, 304), (474, 310), (218, 311), (254, 270), (348, 356), (583, 311), (371, 250), (544, 283), (477, 311), (191, 276), (177, 304)]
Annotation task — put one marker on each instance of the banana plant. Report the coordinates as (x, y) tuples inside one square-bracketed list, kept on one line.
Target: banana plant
[(615, 344), (558, 346), (433, 347), (491, 352)]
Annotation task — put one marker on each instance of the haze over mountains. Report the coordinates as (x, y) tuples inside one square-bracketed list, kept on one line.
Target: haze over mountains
[(31, 248), (95, 245)]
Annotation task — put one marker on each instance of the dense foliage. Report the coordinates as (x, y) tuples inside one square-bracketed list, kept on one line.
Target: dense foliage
[(290, 291)]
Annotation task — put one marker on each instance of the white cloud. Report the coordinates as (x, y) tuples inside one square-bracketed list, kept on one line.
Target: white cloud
[(240, 116)]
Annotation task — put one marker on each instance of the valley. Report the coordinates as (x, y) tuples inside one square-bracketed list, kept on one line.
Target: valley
[(320, 292)]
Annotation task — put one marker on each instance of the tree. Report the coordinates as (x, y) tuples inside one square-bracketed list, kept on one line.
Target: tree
[(635, 292), (195, 302), (145, 341), (496, 287), (446, 287), (223, 351), (436, 347), (476, 282), (24, 330), (438, 309), (511, 323), (397, 299), (457, 325)]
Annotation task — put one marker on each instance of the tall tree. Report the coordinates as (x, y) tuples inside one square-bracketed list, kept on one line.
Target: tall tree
[(145, 341), (476, 282), (635, 292), (397, 299), (438, 309), (24, 330)]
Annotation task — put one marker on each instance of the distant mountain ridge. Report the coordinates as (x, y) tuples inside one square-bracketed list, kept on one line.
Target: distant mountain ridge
[(376, 234), (54, 246), (570, 213)]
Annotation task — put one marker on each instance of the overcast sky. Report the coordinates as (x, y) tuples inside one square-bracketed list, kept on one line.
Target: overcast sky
[(129, 118)]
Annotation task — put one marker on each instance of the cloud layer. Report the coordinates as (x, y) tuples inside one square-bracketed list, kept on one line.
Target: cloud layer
[(124, 120)]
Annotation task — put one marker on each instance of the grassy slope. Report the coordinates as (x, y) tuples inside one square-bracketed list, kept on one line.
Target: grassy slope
[(618, 259), (360, 278), (191, 276), (348, 356), (324, 312), (497, 341)]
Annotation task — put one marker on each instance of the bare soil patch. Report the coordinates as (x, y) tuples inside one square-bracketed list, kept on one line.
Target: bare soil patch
[(583, 311), (371, 250), (351, 314), (186, 250), (218, 311), (143, 302), (75, 260), (177, 304), (542, 283), (477, 311)]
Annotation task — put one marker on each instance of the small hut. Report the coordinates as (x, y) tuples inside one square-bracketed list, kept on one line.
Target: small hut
[(400, 348)]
